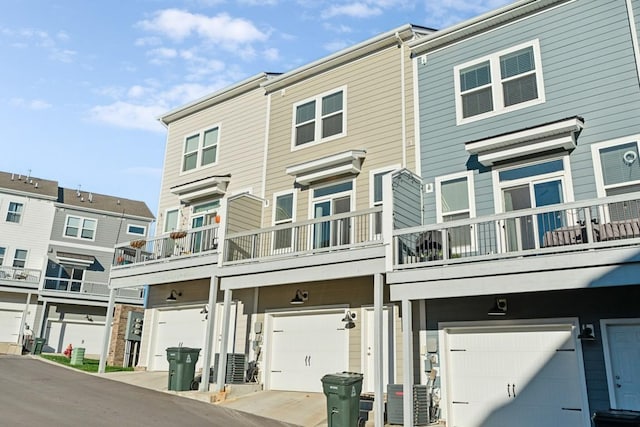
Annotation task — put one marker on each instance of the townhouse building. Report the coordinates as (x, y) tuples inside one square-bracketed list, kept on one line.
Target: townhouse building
[(519, 278), (56, 247)]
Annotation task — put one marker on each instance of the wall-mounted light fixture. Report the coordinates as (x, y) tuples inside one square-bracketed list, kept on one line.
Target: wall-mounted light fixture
[(499, 308), (348, 319), (89, 318), (205, 311), (300, 297), (586, 333), (173, 295)]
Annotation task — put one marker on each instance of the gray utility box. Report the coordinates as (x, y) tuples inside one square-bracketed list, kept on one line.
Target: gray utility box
[(616, 418), (395, 410)]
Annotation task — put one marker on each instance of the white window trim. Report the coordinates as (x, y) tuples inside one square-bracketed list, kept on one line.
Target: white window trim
[(26, 257), (318, 119), (200, 135), (351, 193), (79, 236), (8, 212), (607, 354), (470, 192), (294, 192), (565, 174), (164, 219), (3, 257), (144, 227), (203, 214), (601, 189), (372, 174), (496, 83)]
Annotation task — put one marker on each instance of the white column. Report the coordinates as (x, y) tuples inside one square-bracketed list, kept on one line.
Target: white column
[(211, 327), (407, 365), (222, 359), (107, 330), (23, 320), (378, 351)]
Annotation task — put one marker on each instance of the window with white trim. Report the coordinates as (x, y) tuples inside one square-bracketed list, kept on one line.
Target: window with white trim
[(319, 119), (455, 201), (14, 212), (377, 196), (283, 213), (501, 82), (171, 220), (201, 149), (136, 230), (3, 251), (80, 228), (20, 258)]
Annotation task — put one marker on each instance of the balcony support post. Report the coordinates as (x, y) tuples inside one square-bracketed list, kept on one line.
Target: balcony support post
[(23, 320), (107, 330), (39, 333), (211, 327), (222, 359), (379, 349), (407, 359)]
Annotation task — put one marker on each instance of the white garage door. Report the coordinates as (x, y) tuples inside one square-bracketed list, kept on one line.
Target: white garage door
[(525, 377), (10, 325), (306, 347), (86, 335)]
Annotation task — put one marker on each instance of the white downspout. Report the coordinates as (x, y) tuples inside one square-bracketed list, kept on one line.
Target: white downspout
[(222, 358), (379, 350), (407, 356)]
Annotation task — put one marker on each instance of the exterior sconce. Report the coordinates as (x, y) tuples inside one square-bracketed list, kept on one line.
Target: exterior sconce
[(499, 308), (348, 319), (300, 297), (173, 295), (586, 333)]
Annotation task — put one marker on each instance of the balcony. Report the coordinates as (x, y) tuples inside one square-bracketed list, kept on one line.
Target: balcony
[(20, 277), (85, 290), (564, 228)]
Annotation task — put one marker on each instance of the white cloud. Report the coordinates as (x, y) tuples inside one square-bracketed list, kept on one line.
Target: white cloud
[(34, 104), (161, 55), (336, 45), (222, 28), (62, 55), (272, 54), (148, 41), (340, 29), (136, 91), (259, 2), (354, 10), (128, 115)]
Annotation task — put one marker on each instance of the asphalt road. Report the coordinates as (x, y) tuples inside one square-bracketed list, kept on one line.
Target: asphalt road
[(37, 393)]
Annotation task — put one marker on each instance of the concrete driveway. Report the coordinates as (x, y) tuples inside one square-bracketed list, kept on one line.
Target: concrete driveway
[(35, 392)]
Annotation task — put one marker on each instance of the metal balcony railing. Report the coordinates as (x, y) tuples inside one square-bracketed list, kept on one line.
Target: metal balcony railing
[(192, 242), (326, 234), (576, 226), (22, 275), (80, 288)]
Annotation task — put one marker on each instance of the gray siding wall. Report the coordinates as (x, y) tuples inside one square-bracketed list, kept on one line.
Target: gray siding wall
[(98, 272), (407, 196), (589, 71)]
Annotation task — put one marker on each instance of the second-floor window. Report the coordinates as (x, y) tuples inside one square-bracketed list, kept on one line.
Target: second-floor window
[(137, 230), (283, 213), (455, 201), (171, 220), (2, 254), (201, 149), (80, 228), (501, 82), (14, 213), (20, 258), (320, 118)]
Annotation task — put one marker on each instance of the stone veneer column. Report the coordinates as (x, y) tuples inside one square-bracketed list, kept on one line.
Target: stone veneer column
[(117, 343)]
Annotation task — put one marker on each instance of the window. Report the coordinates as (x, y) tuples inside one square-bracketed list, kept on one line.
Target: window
[(455, 201), (2, 254), (201, 149), (137, 230), (14, 213), (283, 213), (319, 119), (171, 220), (80, 228), (376, 195), (502, 82), (332, 200), (20, 258)]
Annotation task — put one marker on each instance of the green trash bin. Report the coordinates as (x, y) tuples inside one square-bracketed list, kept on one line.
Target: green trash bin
[(38, 344), (343, 398), (77, 356), (182, 367)]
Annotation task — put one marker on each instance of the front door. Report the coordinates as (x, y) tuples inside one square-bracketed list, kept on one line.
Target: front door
[(368, 349), (624, 354), (332, 200)]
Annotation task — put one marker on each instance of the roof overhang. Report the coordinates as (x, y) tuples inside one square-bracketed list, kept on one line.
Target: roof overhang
[(333, 166), (555, 136), (75, 260), (207, 187)]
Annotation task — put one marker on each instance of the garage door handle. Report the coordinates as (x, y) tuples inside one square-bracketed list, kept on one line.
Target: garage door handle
[(460, 403), (572, 409), (275, 371)]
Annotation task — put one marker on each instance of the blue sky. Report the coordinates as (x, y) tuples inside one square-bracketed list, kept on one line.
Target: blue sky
[(83, 82)]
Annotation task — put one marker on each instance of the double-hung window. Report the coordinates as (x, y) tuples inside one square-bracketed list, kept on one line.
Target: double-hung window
[(455, 201), (319, 119), (80, 228), (283, 213), (501, 82), (201, 149), (171, 220), (14, 213), (20, 258)]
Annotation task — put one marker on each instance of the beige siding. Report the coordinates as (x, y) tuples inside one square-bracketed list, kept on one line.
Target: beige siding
[(240, 148), (244, 214), (373, 105)]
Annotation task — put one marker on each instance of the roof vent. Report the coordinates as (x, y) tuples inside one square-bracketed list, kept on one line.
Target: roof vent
[(90, 197)]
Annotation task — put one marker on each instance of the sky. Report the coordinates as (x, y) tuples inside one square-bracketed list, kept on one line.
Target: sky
[(83, 82)]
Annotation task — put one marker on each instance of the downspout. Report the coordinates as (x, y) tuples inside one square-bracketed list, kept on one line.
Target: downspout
[(634, 37), (403, 101)]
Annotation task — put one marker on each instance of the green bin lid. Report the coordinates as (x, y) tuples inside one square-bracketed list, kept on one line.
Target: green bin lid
[(342, 378)]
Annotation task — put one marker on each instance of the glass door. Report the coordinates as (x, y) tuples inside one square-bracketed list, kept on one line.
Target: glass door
[(332, 200)]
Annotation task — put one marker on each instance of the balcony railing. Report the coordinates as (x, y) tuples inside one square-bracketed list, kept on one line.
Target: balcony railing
[(576, 226), (22, 275), (192, 242), (319, 235), (81, 288)]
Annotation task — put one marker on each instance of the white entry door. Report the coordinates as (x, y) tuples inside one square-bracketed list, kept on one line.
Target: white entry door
[(304, 348), (525, 377), (368, 382), (624, 354), (10, 325)]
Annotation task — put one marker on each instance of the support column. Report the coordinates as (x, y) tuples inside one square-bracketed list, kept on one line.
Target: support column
[(222, 359), (378, 350), (40, 333), (23, 320), (407, 365), (107, 330), (211, 327)]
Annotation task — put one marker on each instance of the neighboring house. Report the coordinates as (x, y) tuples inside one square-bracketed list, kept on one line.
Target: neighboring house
[(56, 250), (523, 277)]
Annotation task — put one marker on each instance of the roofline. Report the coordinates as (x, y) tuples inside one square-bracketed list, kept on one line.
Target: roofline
[(479, 24), (382, 40), (30, 194), (221, 95), (102, 211)]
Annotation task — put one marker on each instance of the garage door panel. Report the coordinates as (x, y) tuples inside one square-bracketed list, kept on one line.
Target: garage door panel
[(10, 325), (84, 335), (176, 328)]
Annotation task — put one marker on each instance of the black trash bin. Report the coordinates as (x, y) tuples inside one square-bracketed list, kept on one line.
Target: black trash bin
[(182, 367), (616, 418)]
